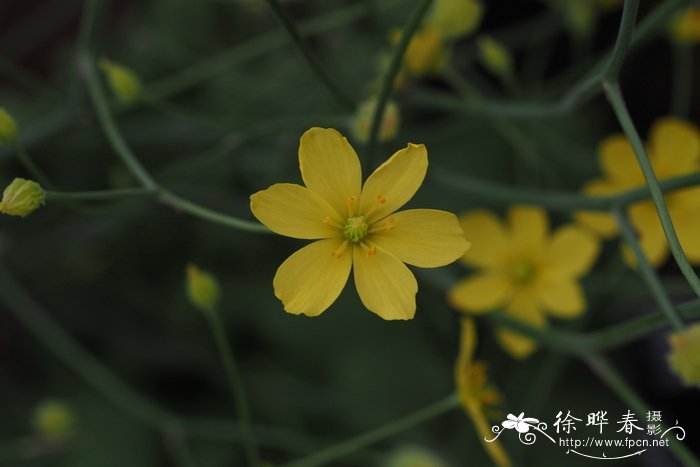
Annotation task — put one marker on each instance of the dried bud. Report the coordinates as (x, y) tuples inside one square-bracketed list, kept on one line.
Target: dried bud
[(21, 198)]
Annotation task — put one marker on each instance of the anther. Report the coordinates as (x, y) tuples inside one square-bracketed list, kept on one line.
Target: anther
[(328, 221), (340, 250)]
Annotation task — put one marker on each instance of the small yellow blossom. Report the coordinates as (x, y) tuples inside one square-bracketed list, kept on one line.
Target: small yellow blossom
[(684, 357), (8, 128), (455, 18), (202, 288), (124, 83), (413, 456), (362, 121), (356, 227), (525, 270), (674, 149), (53, 419), (21, 198), (685, 27), (475, 394), (494, 56), (426, 53)]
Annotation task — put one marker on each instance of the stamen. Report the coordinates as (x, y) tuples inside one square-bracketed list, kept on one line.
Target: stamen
[(340, 250), (389, 224), (328, 221), (371, 250), (378, 201), (350, 203)]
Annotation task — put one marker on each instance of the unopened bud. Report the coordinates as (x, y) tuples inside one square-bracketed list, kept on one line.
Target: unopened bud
[(362, 121), (8, 128), (53, 419), (124, 83), (21, 198), (494, 56), (202, 288)]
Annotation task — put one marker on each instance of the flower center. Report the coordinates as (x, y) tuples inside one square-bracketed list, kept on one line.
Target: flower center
[(522, 271), (355, 228)]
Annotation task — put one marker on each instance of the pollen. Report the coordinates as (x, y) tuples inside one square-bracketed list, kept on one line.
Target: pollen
[(355, 228)]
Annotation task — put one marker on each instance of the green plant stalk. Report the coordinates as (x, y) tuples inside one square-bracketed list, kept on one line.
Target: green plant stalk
[(610, 376), (682, 90), (351, 445), (389, 78), (623, 40), (310, 58), (620, 108), (103, 195), (237, 389), (647, 271)]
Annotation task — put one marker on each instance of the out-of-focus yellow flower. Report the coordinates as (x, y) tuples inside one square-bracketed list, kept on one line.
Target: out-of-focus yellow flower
[(53, 419), (362, 121), (674, 149), (124, 83), (524, 269), (8, 128), (426, 53), (414, 456), (684, 357), (202, 288), (475, 394), (494, 56), (685, 27), (455, 18), (356, 227), (21, 198)]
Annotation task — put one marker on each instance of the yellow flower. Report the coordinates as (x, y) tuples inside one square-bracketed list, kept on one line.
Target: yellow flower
[(674, 149), (686, 26), (124, 83), (475, 393), (8, 128), (362, 121), (455, 18), (685, 355), (21, 198), (202, 288), (524, 269), (426, 53), (356, 228)]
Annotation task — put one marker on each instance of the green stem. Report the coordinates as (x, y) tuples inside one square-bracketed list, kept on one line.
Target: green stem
[(344, 448), (682, 89), (623, 41), (611, 377), (103, 195), (623, 116), (387, 85), (502, 194), (237, 389), (647, 271), (311, 59), (196, 210)]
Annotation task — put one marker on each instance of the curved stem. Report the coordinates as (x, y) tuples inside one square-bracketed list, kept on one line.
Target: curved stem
[(311, 59), (623, 41), (238, 391), (610, 376), (196, 210), (102, 195), (389, 78), (623, 116), (344, 448), (647, 271)]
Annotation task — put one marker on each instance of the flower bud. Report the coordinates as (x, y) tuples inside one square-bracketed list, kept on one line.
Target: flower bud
[(362, 121), (124, 83), (53, 419), (494, 56), (202, 288), (8, 128), (684, 357), (455, 18), (21, 198), (686, 26), (414, 456)]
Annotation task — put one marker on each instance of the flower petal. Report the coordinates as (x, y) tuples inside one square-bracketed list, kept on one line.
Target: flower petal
[(330, 167), (486, 233), (686, 218), (310, 280), (524, 307), (562, 297), (294, 211), (394, 182), (599, 222), (572, 252), (619, 163), (651, 234), (386, 286), (529, 227), (426, 238), (480, 292), (675, 147)]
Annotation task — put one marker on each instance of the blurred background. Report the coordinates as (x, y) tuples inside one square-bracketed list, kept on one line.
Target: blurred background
[(225, 99)]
